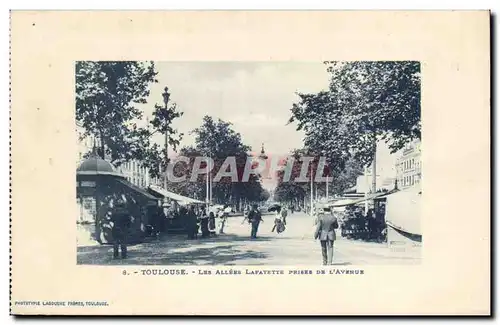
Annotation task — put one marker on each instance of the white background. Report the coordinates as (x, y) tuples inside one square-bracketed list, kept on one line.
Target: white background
[(185, 4)]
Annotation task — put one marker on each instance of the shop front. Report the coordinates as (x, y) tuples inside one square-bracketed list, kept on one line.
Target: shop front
[(98, 185), (174, 207)]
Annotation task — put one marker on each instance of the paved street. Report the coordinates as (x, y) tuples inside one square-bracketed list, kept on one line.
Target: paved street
[(293, 247)]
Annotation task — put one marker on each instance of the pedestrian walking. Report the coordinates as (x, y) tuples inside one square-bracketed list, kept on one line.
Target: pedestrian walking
[(246, 211), (121, 221), (254, 218), (279, 226), (325, 232), (279, 221), (223, 215), (284, 214)]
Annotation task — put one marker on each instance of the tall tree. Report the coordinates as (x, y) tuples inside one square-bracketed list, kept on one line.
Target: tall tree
[(188, 188), (106, 98), (366, 101), (290, 186), (217, 139)]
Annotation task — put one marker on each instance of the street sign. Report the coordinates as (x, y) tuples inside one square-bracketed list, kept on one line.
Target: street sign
[(88, 184)]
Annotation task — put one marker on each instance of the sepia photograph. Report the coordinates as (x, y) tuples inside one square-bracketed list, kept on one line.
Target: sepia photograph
[(248, 163), (270, 156)]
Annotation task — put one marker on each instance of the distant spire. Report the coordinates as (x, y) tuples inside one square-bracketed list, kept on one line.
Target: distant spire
[(93, 153), (263, 152)]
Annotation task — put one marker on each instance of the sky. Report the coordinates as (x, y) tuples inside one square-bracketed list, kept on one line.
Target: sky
[(256, 97)]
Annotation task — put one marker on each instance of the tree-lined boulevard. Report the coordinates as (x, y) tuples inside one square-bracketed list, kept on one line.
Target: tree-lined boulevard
[(295, 246), (364, 104)]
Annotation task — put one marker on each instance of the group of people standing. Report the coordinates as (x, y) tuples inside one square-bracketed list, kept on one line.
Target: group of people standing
[(198, 218), (210, 222), (193, 218)]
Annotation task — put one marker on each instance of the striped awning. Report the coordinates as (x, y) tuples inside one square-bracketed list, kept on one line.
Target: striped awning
[(137, 190), (343, 203), (174, 196)]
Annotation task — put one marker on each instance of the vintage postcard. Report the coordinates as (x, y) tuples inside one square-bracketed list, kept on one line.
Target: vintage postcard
[(250, 163)]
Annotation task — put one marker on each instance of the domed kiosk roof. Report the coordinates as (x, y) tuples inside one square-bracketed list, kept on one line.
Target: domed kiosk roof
[(97, 166)]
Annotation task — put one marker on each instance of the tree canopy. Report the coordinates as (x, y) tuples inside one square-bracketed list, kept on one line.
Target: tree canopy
[(291, 188), (365, 102), (107, 96), (216, 139)]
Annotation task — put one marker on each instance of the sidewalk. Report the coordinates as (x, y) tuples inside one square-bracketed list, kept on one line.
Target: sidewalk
[(295, 246), (380, 250)]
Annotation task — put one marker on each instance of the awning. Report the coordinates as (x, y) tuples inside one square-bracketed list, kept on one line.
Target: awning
[(343, 203), (402, 210), (174, 196), (137, 190)]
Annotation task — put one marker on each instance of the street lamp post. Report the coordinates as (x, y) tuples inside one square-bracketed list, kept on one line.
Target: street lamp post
[(312, 185), (166, 97)]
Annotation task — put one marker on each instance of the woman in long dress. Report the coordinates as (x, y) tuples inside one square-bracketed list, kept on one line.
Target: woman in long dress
[(205, 232), (211, 223)]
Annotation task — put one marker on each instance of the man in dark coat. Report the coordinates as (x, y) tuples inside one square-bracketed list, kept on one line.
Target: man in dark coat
[(325, 232), (204, 223), (254, 217), (191, 223), (158, 221), (122, 220)]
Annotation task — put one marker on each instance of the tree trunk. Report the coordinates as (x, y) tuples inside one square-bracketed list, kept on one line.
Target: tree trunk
[(101, 145)]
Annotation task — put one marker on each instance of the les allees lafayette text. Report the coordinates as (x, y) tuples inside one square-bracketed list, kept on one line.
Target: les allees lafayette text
[(204, 272)]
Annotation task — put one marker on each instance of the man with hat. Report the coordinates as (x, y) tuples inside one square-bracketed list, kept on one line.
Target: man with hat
[(254, 218), (121, 220), (326, 223)]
